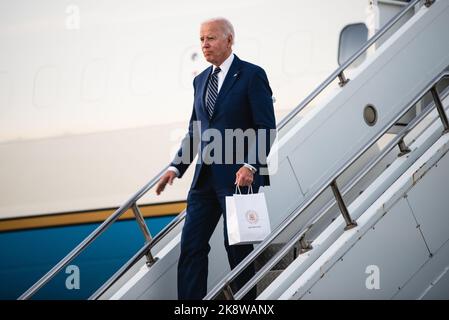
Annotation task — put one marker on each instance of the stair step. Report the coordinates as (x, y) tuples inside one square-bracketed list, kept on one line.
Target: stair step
[(267, 280), (270, 252)]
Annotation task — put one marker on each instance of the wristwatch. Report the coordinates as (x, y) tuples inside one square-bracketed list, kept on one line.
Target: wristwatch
[(252, 169)]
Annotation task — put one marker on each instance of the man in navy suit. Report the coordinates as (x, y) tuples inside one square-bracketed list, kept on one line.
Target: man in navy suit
[(232, 101)]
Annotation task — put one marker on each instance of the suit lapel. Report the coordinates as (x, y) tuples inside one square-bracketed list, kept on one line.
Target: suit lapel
[(229, 81)]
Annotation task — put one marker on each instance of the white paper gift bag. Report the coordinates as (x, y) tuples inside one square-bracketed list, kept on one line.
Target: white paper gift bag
[(247, 218)]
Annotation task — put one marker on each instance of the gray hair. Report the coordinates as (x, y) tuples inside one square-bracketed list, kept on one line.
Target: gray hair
[(227, 26)]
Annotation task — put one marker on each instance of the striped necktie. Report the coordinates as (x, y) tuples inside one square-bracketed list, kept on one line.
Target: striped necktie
[(212, 92)]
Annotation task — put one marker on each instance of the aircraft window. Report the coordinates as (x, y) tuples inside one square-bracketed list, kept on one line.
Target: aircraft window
[(192, 63), (144, 74), (297, 56), (46, 87), (94, 80), (352, 38), (5, 91)]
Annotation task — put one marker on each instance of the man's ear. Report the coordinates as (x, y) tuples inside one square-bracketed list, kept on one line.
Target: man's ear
[(230, 40)]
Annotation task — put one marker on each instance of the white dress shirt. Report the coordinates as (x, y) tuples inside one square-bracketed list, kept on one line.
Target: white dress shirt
[(224, 70)]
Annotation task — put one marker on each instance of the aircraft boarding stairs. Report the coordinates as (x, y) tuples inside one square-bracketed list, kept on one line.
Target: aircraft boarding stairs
[(346, 196)]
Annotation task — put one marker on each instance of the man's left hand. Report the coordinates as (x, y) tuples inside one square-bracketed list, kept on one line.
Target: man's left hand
[(244, 177)]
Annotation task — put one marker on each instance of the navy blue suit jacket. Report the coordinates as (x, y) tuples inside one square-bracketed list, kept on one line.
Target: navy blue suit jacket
[(244, 102)]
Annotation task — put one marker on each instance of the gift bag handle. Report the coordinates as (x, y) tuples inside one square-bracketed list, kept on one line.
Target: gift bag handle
[(237, 188)]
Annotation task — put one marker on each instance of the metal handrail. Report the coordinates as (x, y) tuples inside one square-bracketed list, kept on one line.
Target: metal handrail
[(142, 252), (339, 72), (225, 283), (301, 233), (131, 202), (89, 239)]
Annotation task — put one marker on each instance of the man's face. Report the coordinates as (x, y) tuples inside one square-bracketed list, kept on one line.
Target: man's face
[(215, 45)]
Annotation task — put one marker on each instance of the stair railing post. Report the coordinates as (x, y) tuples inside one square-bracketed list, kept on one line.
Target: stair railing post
[(146, 232), (440, 108), (343, 79), (343, 209), (403, 148)]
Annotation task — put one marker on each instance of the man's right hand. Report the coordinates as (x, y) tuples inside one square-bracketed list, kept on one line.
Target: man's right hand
[(168, 177)]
